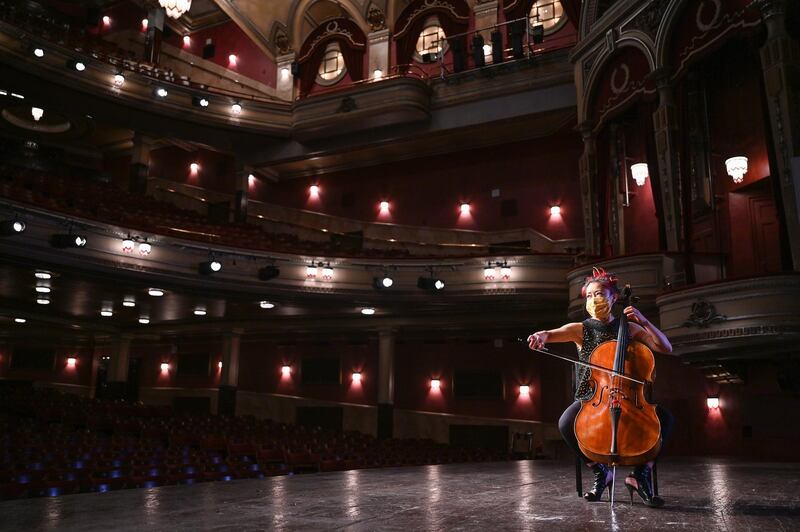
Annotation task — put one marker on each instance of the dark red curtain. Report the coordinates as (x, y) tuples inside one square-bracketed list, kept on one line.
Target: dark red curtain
[(572, 8), (352, 44), (407, 29)]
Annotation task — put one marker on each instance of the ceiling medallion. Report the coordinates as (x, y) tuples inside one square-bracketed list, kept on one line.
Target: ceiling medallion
[(176, 8)]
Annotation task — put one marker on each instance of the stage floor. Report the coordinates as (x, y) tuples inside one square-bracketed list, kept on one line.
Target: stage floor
[(540, 495)]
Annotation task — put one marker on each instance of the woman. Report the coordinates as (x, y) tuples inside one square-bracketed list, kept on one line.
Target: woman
[(600, 292)]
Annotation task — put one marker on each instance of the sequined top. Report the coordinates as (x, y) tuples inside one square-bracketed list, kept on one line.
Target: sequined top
[(595, 332)]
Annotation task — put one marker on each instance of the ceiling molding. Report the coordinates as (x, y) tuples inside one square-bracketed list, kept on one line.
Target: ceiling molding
[(250, 29)]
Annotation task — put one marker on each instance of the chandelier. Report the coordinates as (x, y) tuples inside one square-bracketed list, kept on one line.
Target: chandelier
[(176, 8)]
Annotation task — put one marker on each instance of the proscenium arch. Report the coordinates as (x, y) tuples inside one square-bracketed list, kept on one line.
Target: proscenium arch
[(663, 37), (299, 7), (602, 61)]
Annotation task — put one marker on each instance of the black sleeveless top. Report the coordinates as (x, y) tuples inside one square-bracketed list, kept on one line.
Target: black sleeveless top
[(595, 332)]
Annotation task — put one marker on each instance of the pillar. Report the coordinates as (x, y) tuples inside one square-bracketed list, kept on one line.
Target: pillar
[(386, 340), (780, 63), (665, 126), (378, 53), (229, 379), (155, 31), (284, 84), (587, 166)]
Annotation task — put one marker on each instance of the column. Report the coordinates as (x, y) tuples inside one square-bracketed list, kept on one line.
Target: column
[(589, 193), (386, 338), (155, 30), (780, 62), (229, 379), (117, 383), (665, 126), (378, 54), (140, 164), (284, 84)]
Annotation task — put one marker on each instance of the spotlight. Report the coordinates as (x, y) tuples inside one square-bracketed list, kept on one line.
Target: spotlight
[(155, 292), (430, 57), (208, 267), (43, 275), (367, 311), (236, 109), (67, 241), (144, 320), (199, 101), (145, 248), (266, 304), (161, 92), (38, 52), (268, 272), (537, 33), (12, 227), (382, 282), (430, 283)]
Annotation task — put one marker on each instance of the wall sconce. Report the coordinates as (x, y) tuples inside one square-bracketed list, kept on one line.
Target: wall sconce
[(164, 367), (555, 210), (640, 172), (436, 384), (71, 362), (219, 365), (286, 370), (736, 167), (356, 377), (524, 389), (712, 402)]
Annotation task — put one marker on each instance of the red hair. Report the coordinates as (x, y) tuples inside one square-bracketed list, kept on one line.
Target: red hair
[(605, 279)]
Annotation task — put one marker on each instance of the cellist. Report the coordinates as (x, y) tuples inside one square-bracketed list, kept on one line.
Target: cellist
[(600, 292)]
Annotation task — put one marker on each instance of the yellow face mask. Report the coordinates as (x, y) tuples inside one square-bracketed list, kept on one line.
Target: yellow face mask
[(598, 307)]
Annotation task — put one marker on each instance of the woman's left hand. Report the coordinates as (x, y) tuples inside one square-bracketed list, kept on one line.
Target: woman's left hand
[(635, 315)]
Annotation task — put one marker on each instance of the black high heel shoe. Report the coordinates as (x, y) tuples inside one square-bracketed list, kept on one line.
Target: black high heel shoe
[(639, 481), (601, 482)]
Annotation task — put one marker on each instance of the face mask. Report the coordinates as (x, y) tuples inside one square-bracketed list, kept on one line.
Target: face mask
[(598, 308)]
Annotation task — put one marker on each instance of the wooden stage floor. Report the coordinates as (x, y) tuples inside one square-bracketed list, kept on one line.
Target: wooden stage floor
[(703, 495)]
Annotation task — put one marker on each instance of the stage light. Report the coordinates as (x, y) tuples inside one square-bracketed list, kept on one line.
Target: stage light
[(268, 272), (129, 301), (327, 273), (43, 275), (436, 384), (144, 320), (713, 402), (517, 29), (736, 167), (67, 241), (497, 47), (465, 208), (478, 55), (524, 389), (41, 300), (127, 245), (382, 282), (42, 289), (639, 172), (489, 273), (236, 109), (164, 367), (208, 267), (537, 34), (199, 101), (429, 283), (266, 304), (286, 370), (161, 92), (12, 227), (155, 292), (71, 361), (457, 46), (38, 52), (555, 210), (377, 74), (20, 320), (367, 311), (119, 80), (145, 248), (200, 311), (356, 377), (313, 190), (311, 272)]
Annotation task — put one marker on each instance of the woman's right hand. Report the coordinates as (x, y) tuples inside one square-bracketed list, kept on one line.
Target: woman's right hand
[(537, 340)]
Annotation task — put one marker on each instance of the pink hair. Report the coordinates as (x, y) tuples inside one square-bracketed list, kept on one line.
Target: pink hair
[(607, 280)]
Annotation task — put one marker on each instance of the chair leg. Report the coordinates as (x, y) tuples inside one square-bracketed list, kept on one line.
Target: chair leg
[(579, 476)]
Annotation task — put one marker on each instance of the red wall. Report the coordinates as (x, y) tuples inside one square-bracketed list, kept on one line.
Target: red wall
[(537, 173), (81, 374), (217, 171)]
